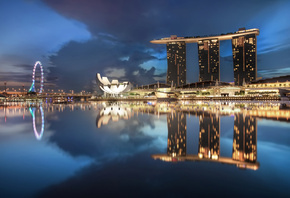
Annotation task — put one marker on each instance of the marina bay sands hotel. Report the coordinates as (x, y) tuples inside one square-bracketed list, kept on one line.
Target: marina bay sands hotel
[(244, 46)]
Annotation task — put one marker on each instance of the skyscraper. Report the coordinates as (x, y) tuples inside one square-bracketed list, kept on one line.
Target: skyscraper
[(209, 136), (176, 62), (208, 55), (176, 143), (244, 58)]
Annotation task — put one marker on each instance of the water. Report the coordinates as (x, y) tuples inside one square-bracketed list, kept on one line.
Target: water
[(145, 150)]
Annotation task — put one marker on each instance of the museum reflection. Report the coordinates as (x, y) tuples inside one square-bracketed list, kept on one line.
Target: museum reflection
[(112, 112), (244, 149), (244, 145)]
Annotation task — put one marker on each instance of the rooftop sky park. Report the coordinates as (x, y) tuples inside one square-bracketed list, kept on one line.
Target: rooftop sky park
[(244, 45)]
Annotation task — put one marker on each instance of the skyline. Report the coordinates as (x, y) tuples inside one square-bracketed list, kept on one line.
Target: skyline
[(75, 40)]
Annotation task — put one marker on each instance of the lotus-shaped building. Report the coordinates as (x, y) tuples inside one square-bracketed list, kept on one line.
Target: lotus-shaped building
[(114, 113), (113, 87)]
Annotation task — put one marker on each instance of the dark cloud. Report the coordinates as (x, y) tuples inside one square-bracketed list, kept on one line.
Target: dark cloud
[(122, 31), (15, 76), (142, 21), (19, 79), (76, 64), (25, 67)]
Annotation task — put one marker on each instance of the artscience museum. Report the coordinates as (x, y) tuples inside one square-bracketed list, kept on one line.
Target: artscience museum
[(115, 87)]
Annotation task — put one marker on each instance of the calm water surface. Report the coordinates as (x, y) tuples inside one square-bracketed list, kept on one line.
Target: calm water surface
[(144, 150)]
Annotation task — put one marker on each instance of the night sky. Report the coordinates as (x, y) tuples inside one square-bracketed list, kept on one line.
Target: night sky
[(76, 39)]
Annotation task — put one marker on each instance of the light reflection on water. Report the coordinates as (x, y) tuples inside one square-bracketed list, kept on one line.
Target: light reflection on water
[(77, 141)]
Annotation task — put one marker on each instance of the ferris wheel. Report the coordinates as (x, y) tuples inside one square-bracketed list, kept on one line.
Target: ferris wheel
[(32, 88)]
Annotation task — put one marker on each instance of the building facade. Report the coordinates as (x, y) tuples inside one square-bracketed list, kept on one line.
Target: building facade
[(208, 58), (176, 62), (244, 47), (244, 59)]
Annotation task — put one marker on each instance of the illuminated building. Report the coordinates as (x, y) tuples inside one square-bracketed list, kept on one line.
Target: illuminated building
[(113, 87), (176, 63), (271, 83), (209, 136), (244, 58), (208, 55), (245, 138), (176, 143), (2, 97)]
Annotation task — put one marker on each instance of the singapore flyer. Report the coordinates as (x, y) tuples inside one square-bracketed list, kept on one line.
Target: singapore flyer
[(32, 88), (36, 133)]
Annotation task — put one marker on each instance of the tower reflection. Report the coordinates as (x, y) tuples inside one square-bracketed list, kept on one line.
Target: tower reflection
[(244, 153), (176, 142), (244, 145), (209, 136), (245, 138)]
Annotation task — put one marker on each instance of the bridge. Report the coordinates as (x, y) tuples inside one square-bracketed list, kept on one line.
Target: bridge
[(44, 96), (69, 97)]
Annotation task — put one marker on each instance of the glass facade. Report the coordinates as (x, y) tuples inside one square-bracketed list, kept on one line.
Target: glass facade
[(244, 59), (209, 64), (244, 56), (176, 61)]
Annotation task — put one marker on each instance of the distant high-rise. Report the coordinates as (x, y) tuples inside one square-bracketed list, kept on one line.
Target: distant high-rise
[(176, 61), (244, 47), (245, 138), (244, 58), (209, 65), (209, 136), (176, 143)]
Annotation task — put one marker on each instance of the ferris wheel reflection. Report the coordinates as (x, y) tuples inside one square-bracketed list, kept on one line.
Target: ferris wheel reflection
[(36, 133)]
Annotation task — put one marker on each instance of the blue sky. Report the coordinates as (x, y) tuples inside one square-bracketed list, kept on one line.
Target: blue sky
[(76, 39)]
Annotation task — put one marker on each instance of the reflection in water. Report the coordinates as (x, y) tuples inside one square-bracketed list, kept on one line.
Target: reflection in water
[(245, 138), (244, 149), (36, 133), (244, 144), (22, 108), (176, 134), (112, 112), (244, 153), (209, 136), (89, 158)]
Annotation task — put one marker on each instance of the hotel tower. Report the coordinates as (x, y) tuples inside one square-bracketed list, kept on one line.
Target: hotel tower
[(244, 47)]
